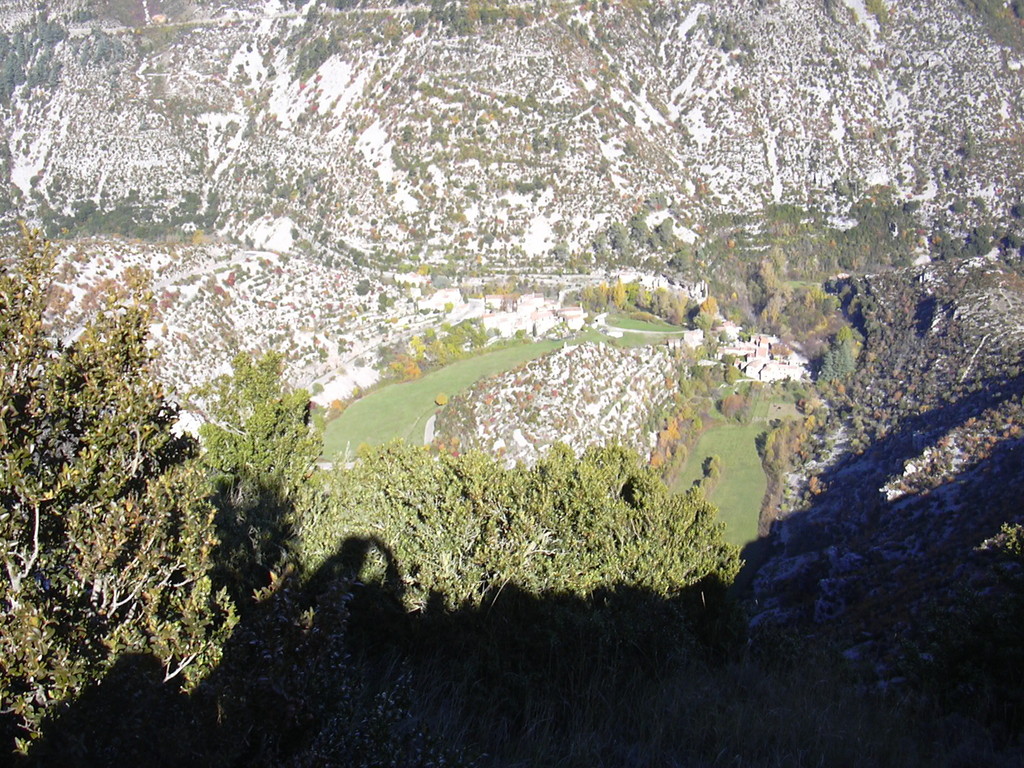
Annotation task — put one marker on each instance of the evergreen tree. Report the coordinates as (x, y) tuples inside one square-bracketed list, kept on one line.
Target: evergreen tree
[(261, 447), (105, 535), (618, 238), (840, 360)]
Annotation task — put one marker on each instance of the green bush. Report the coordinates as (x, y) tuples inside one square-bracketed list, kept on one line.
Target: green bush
[(106, 536), (461, 527)]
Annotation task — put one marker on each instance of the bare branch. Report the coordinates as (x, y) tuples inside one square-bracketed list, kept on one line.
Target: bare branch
[(168, 675)]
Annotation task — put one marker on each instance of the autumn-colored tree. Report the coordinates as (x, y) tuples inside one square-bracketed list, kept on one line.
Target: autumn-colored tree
[(405, 368), (603, 295), (618, 294), (732, 405), (672, 429), (418, 347), (710, 306)]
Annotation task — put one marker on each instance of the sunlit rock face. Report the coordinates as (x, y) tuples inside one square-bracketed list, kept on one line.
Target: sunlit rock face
[(387, 131)]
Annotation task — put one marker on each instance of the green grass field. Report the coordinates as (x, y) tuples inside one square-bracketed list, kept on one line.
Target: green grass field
[(742, 485), (628, 340), (761, 406), (402, 410), (629, 324)]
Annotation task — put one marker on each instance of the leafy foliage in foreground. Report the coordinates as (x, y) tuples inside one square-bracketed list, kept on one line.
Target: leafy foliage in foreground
[(260, 449), (105, 532), (463, 527)]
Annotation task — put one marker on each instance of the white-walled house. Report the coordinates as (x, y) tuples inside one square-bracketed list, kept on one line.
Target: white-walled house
[(729, 328), (507, 324), (763, 369), (575, 317), (544, 321), (507, 314), (529, 303), (496, 302)]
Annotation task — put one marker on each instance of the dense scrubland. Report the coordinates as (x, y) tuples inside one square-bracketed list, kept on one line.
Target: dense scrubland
[(844, 175), (228, 603)]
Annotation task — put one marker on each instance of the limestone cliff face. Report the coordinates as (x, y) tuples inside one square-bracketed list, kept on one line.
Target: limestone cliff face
[(500, 133)]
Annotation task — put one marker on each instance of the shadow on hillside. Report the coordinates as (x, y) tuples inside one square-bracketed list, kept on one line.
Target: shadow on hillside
[(851, 485), (906, 549), (253, 522), (312, 674)]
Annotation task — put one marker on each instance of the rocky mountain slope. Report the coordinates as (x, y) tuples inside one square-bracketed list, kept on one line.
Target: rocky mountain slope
[(212, 301), (499, 133), (925, 455), (584, 395)]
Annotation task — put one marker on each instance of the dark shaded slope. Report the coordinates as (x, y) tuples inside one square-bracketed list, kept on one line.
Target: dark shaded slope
[(931, 459)]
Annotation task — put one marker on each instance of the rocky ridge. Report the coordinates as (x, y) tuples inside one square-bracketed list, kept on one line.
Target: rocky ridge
[(583, 395), (498, 134), (927, 464)]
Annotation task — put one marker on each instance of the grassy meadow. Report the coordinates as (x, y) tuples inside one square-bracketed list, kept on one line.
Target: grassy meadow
[(739, 491), (402, 410), (629, 324)]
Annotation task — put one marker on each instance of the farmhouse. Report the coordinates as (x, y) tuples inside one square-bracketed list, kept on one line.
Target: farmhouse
[(729, 329), (507, 314), (507, 324), (543, 321), (773, 370), (575, 318)]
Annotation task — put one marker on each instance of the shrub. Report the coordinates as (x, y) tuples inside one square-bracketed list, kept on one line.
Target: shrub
[(106, 535), (455, 532)]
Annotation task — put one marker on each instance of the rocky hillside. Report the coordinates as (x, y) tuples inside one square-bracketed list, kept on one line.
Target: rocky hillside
[(925, 448), (212, 301), (584, 395), (505, 132)]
